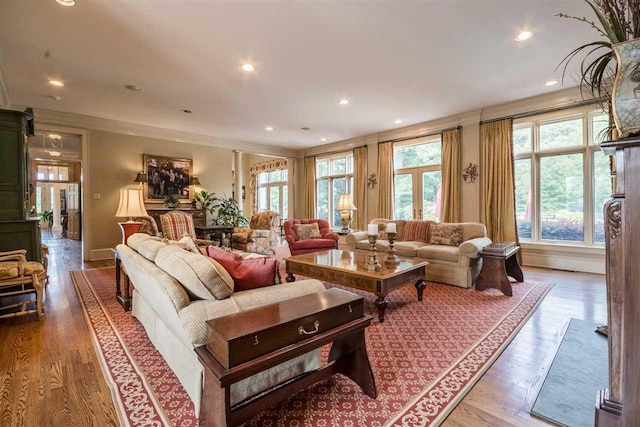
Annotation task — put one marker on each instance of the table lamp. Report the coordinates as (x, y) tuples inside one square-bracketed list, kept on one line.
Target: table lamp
[(131, 205), (346, 206)]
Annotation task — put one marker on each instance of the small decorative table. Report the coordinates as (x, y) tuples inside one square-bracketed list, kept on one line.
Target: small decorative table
[(214, 232), (499, 261)]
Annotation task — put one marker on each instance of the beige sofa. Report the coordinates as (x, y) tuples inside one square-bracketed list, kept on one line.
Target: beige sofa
[(175, 319), (453, 265)]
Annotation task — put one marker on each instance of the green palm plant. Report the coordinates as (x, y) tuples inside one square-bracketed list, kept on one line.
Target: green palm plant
[(619, 21)]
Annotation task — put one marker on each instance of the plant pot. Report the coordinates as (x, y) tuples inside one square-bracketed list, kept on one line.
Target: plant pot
[(626, 106)]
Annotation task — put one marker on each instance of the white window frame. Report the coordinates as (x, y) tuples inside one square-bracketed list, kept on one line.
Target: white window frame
[(347, 175), (282, 188), (588, 150), (417, 171)]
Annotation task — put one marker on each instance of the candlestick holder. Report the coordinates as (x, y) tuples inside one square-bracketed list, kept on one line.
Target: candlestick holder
[(392, 259), (372, 263)]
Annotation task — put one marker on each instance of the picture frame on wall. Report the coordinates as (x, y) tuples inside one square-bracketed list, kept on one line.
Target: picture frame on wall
[(166, 176)]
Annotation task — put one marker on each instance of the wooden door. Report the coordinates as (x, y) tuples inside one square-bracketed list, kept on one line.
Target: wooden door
[(73, 211)]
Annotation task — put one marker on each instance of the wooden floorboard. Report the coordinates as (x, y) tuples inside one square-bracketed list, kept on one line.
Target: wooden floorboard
[(50, 375)]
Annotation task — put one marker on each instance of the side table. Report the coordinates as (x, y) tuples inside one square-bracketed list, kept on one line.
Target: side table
[(499, 261), (214, 232), (123, 296)]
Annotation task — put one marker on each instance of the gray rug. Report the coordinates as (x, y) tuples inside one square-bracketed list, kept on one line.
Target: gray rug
[(579, 370)]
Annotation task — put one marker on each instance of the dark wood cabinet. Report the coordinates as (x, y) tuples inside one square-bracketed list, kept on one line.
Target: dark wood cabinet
[(17, 230), (199, 215), (619, 405)]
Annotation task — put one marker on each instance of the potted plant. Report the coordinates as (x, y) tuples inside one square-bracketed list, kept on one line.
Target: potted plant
[(47, 217), (172, 201), (617, 55), (229, 213)]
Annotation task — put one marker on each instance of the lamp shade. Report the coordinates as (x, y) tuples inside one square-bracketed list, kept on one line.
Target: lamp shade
[(345, 203), (194, 181), (141, 177), (131, 204)]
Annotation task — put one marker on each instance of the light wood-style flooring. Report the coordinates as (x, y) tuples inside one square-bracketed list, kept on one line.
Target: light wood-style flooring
[(50, 376)]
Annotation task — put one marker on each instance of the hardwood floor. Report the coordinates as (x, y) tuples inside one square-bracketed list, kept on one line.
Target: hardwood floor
[(49, 373)]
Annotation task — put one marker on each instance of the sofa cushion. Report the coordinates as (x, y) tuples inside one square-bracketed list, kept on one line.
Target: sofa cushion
[(248, 273), (407, 249), (417, 231), (446, 234), (200, 277), (438, 252), (307, 231), (146, 245)]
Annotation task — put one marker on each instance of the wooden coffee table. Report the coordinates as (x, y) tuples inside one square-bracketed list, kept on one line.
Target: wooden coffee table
[(346, 268)]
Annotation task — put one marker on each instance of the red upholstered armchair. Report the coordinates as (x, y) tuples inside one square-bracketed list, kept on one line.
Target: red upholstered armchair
[(297, 246)]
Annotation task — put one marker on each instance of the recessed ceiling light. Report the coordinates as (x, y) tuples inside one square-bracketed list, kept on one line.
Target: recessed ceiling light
[(133, 88), (323, 139), (269, 128), (551, 83), (56, 83), (248, 67), (343, 101), (186, 111), (66, 2), (397, 121), (55, 136), (305, 128), (525, 35)]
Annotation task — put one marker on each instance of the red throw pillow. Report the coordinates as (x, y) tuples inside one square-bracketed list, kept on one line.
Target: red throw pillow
[(246, 274)]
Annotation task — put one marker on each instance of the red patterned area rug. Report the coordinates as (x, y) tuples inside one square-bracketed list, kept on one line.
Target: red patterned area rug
[(425, 358)]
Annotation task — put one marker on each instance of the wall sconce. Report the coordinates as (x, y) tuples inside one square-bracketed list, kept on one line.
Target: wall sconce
[(372, 181), (470, 173), (194, 180), (141, 177)]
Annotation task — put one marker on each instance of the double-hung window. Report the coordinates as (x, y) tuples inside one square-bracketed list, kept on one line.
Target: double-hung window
[(273, 192), (334, 176), (417, 179), (562, 178)]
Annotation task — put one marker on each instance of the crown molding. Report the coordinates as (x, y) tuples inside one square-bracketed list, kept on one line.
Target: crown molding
[(5, 101), (44, 116)]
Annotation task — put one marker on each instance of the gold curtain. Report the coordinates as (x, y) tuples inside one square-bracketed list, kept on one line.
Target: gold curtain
[(359, 187), (498, 201), (310, 187), (385, 180), (451, 156)]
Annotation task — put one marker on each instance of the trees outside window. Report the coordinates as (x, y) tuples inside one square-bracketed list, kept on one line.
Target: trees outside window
[(334, 176), (561, 178), (417, 179), (273, 192)]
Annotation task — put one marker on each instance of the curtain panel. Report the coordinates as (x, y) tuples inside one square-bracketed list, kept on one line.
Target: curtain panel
[(310, 187), (385, 180), (451, 175), (498, 199), (258, 168), (359, 187)]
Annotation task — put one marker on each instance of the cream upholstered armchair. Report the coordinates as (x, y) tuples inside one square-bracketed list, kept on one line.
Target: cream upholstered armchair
[(18, 277), (261, 236)]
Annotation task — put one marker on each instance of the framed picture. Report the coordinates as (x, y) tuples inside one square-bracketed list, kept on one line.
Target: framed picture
[(166, 176)]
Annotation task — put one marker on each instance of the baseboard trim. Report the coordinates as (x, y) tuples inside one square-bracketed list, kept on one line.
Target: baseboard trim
[(100, 254)]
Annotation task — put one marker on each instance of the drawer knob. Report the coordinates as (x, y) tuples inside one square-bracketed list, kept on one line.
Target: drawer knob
[(316, 324)]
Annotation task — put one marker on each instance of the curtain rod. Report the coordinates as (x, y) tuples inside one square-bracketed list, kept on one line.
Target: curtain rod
[(327, 153), (408, 138), (545, 110)]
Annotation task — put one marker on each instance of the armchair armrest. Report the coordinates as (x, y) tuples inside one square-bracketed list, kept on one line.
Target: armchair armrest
[(356, 236), (17, 255), (331, 235), (471, 247)]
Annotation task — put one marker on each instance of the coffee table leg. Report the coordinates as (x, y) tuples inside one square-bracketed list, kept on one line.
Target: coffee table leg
[(420, 285), (351, 353), (381, 303)]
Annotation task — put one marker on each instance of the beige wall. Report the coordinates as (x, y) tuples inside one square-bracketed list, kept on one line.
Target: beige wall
[(114, 161)]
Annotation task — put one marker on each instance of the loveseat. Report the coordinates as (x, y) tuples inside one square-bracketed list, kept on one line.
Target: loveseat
[(453, 260), (299, 243), (176, 291)]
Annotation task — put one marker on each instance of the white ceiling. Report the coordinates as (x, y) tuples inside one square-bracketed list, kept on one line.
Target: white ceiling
[(413, 60)]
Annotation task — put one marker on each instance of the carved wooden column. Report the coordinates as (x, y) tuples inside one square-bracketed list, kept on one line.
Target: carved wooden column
[(619, 405)]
